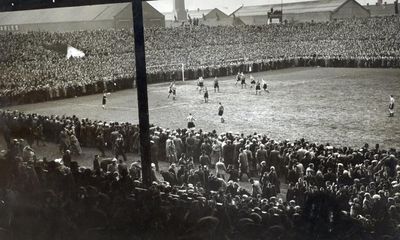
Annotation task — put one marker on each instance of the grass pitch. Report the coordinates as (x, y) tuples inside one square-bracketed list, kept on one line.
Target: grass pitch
[(342, 106)]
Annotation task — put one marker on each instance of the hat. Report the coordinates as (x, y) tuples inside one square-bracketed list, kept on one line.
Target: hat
[(136, 164), (256, 209), (376, 197)]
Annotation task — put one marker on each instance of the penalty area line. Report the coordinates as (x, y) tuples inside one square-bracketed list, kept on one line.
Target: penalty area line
[(123, 108)]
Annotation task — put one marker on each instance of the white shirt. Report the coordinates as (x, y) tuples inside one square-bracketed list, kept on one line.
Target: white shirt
[(190, 118), (220, 168)]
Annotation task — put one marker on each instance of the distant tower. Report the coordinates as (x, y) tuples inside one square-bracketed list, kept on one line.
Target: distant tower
[(179, 10)]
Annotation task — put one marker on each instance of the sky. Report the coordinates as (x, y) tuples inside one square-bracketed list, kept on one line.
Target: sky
[(228, 6)]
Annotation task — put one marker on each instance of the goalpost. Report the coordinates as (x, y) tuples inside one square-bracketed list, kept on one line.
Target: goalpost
[(181, 67), (173, 66), (183, 72)]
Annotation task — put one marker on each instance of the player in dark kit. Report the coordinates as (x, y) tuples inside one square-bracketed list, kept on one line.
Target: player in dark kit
[(221, 112), (265, 86), (205, 95), (258, 87), (243, 80), (104, 102), (216, 85)]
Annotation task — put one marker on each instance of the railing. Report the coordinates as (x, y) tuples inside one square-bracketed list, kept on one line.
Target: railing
[(229, 68)]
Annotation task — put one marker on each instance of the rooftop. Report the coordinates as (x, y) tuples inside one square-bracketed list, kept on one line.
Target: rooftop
[(65, 14), (295, 7)]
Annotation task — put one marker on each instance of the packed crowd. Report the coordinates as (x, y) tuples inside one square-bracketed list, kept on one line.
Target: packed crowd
[(32, 61), (332, 193)]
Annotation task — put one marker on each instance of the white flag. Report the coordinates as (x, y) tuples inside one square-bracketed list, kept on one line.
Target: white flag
[(74, 53)]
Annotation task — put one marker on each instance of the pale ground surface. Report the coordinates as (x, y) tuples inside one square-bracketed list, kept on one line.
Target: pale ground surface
[(343, 106)]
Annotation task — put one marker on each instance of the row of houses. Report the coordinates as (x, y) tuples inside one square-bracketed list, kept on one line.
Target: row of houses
[(119, 15)]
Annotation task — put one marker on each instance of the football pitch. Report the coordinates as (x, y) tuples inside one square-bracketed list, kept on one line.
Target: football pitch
[(341, 106)]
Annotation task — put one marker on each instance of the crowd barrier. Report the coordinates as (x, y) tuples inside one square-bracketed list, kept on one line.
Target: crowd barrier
[(191, 73)]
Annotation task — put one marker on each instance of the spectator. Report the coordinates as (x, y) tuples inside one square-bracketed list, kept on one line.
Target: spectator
[(109, 63), (220, 168), (243, 164), (205, 159), (344, 190)]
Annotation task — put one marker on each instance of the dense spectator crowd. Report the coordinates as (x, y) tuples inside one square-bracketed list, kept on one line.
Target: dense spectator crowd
[(32, 61), (333, 192)]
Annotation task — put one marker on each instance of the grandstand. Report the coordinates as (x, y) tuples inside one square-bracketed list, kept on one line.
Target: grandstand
[(354, 42)]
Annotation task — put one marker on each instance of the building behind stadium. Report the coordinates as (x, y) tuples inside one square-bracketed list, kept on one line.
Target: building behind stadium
[(381, 9), (208, 17), (310, 11), (91, 17), (304, 11)]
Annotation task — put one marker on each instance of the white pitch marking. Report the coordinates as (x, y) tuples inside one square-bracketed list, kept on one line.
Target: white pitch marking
[(125, 108)]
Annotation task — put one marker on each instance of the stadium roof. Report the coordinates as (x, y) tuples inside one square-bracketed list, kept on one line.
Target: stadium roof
[(66, 14), (295, 7)]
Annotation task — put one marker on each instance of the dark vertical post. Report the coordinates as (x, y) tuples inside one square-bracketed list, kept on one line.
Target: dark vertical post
[(141, 84)]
